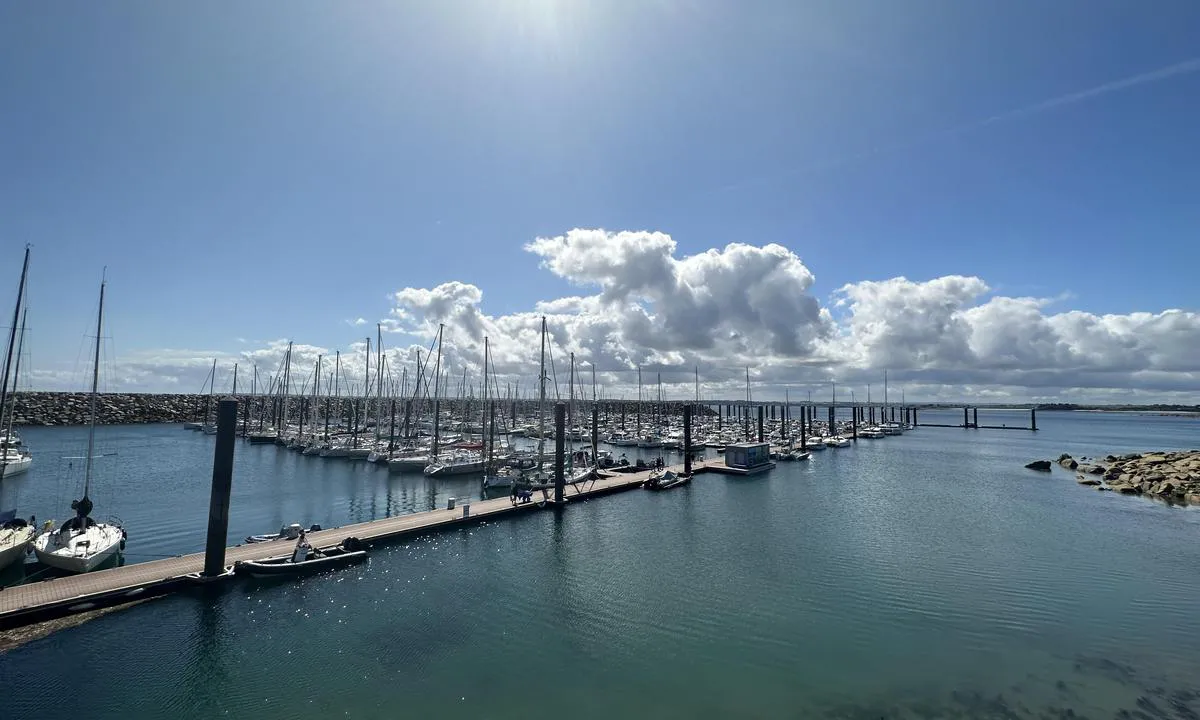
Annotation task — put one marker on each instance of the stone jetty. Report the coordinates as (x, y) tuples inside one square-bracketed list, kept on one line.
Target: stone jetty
[(1172, 476), (53, 408)]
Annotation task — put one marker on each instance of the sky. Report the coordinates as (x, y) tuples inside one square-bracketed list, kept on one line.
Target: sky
[(993, 201)]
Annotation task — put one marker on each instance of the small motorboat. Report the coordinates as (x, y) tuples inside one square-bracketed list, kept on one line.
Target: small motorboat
[(798, 455), (305, 559), (287, 532), (666, 480)]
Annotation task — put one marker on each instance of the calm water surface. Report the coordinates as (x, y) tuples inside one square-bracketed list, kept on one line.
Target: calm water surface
[(923, 576)]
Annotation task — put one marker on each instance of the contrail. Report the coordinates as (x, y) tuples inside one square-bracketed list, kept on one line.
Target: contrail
[(1182, 68)]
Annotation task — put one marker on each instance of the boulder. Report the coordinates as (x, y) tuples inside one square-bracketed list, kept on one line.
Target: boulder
[(1155, 476), (1062, 457), (1165, 488), (1085, 480), (1069, 463), (1095, 470), (1043, 465), (1127, 489), (1145, 486)]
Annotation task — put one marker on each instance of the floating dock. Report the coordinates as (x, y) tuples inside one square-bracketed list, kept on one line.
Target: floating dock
[(59, 597)]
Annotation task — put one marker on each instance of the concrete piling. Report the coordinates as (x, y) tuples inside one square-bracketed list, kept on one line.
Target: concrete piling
[(222, 486)]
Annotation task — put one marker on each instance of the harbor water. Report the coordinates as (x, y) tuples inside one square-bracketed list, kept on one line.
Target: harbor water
[(927, 575)]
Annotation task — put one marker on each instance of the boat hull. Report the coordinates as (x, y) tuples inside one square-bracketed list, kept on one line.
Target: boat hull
[(408, 464), (282, 567), (65, 551), (14, 545), (10, 467), (454, 469)]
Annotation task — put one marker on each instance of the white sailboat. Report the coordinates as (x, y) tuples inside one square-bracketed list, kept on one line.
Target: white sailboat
[(81, 544)]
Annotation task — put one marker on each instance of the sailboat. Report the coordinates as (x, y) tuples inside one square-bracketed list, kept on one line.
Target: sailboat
[(81, 544), (15, 536), (14, 459)]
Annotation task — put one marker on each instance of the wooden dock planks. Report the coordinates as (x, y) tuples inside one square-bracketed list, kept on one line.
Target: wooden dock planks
[(77, 589)]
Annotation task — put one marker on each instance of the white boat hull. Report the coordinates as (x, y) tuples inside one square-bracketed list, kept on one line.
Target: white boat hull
[(498, 481), (408, 464), (14, 544), (11, 466), (79, 552), (461, 468)]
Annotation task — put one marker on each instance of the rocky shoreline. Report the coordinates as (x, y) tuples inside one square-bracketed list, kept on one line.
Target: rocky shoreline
[(52, 408), (1172, 476)]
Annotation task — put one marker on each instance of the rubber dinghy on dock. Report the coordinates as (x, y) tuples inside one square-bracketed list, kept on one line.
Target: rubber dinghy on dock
[(666, 481), (305, 561)]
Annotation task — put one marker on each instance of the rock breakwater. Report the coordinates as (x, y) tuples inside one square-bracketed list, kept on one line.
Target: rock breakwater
[(52, 408), (1173, 476)]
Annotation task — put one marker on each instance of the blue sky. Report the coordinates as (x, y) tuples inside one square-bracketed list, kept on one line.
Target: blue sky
[(262, 170)]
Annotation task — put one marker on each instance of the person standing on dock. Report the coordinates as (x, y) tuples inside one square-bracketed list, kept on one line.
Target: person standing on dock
[(300, 554)]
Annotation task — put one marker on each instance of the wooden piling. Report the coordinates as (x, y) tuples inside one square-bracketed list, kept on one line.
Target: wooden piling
[(1033, 419), (761, 413), (222, 486), (854, 424)]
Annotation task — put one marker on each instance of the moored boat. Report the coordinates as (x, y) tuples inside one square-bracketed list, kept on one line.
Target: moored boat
[(305, 560), (666, 480), (287, 532), (81, 544), (16, 535)]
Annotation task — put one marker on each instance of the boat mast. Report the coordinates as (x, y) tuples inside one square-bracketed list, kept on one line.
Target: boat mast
[(6, 428), (12, 336), (639, 405), (87, 473), (483, 425), (317, 396), (379, 380), (437, 384), (287, 368), (542, 400), (595, 431), (571, 419)]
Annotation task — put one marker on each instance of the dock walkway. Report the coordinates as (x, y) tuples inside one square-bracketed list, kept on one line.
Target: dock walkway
[(35, 602)]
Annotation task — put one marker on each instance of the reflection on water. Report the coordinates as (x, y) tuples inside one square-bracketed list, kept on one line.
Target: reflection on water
[(928, 576)]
